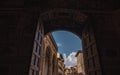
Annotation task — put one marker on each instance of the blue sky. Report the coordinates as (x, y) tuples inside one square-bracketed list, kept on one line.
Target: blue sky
[(67, 42), (68, 45)]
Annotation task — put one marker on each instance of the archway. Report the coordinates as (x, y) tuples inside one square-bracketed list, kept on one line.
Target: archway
[(73, 21)]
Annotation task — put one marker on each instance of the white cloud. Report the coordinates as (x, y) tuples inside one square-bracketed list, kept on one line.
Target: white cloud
[(59, 44), (71, 60)]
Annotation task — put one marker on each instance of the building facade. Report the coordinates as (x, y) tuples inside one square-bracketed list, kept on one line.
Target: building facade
[(80, 63), (90, 51), (60, 64), (74, 70), (36, 54), (49, 56), (67, 71)]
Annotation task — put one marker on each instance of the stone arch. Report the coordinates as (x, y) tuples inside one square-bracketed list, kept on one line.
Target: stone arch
[(66, 13), (73, 32), (73, 21), (63, 19)]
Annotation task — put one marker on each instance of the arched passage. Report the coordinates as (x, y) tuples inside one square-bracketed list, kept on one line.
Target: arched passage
[(76, 22), (63, 19)]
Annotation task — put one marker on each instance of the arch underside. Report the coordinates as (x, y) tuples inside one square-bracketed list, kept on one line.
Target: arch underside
[(63, 19)]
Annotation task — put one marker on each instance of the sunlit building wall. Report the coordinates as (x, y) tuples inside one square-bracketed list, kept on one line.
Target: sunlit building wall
[(74, 70), (60, 64), (49, 56), (67, 71), (80, 63)]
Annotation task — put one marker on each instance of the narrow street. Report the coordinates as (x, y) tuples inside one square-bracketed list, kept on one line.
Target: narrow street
[(55, 63)]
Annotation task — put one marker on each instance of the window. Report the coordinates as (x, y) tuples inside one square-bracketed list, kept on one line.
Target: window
[(91, 49), (85, 43), (89, 52), (39, 27), (41, 40), (37, 72), (38, 36), (34, 60), (86, 51), (36, 47), (90, 73), (86, 32), (90, 38), (54, 63), (48, 59), (88, 64), (94, 48), (97, 73), (39, 50), (38, 62), (48, 52), (32, 72), (33, 57), (96, 60), (93, 59)]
